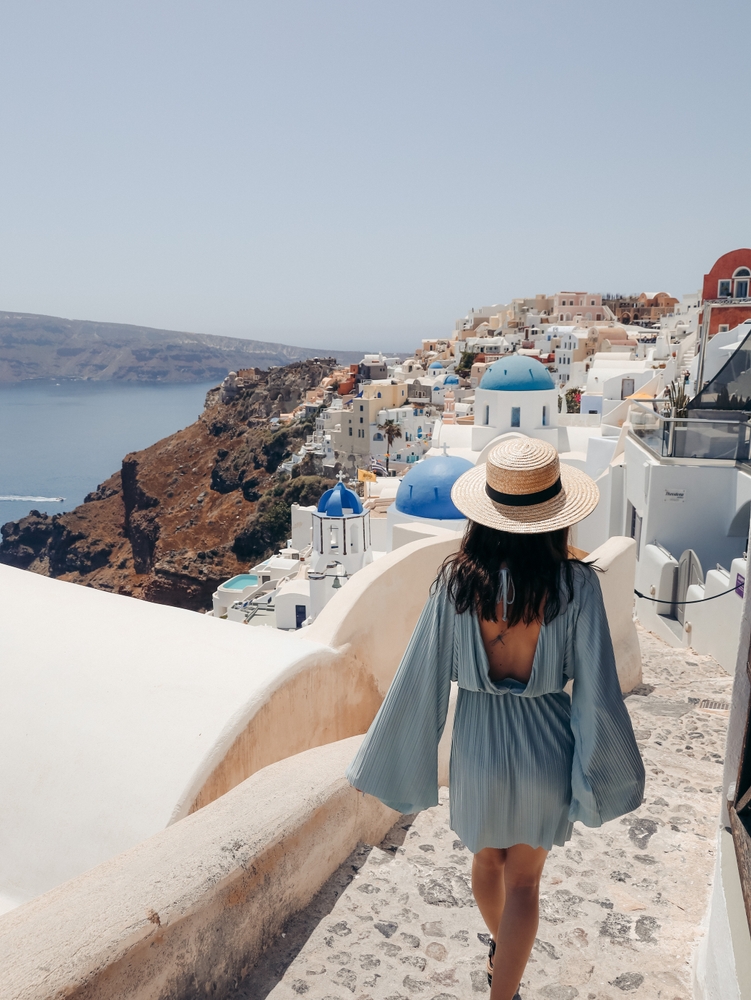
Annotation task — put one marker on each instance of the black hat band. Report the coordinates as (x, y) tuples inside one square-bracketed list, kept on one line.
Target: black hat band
[(524, 499)]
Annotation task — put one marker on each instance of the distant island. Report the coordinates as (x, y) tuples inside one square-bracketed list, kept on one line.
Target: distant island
[(48, 347)]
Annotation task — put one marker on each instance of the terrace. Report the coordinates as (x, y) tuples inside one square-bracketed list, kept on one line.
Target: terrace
[(687, 438), (621, 907), (262, 883)]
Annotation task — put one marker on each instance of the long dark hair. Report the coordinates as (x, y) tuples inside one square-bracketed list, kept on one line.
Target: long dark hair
[(539, 564)]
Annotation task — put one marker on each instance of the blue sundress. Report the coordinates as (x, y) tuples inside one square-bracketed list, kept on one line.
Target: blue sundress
[(527, 760)]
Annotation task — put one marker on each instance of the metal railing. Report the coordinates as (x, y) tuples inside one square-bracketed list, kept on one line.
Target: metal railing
[(690, 437)]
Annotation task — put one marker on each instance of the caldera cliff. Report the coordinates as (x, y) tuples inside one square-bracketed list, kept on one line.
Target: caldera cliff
[(192, 510)]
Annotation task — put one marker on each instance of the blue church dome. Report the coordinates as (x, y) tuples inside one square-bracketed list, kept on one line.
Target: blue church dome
[(436, 364), (426, 489), (339, 502), (451, 380), (517, 373)]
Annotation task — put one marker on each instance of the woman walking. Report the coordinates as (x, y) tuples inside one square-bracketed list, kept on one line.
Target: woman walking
[(512, 617)]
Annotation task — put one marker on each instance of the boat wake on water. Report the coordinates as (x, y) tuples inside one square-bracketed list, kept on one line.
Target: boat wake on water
[(34, 499)]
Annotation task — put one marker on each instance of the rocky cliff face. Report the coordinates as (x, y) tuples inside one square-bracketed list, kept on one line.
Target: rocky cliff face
[(190, 511)]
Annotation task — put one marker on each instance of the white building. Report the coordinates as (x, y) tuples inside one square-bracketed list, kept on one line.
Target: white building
[(719, 349), (612, 378), (339, 544), (416, 424), (515, 394)]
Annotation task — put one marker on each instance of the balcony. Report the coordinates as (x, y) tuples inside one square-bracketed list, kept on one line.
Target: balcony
[(726, 440)]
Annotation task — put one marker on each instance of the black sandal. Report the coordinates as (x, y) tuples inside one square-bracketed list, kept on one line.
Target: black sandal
[(489, 967)]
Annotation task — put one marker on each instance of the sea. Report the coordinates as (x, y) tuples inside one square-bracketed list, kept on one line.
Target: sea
[(61, 439)]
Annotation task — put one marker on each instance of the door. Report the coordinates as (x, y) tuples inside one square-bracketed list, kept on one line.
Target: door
[(689, 572), (301, 613), (627, 388)]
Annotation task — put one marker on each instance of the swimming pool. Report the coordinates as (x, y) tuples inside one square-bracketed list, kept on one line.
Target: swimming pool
[(241, 582)]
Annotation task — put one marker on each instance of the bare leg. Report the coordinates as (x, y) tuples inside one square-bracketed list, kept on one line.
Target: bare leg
[(520, 915), (488, 885)]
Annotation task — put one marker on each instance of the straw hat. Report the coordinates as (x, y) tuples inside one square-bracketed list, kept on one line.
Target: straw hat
[(523, 488)]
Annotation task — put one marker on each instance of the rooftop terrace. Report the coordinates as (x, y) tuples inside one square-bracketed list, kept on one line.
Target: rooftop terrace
[(621, 907)]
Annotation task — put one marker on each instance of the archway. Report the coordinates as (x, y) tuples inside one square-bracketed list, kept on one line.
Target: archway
[(739, 525)]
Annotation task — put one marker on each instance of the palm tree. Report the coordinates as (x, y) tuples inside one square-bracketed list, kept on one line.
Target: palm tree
[(392, 430)]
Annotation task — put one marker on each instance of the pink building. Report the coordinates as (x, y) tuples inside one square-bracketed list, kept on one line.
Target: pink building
[(568, 306)]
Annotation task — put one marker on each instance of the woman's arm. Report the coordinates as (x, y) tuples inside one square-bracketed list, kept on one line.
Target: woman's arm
[(607, 778), (398, 759)]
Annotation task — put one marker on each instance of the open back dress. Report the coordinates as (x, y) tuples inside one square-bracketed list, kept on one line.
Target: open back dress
[(527, 760)]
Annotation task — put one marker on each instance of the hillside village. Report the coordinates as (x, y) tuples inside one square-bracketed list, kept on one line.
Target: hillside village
[(612, 397)]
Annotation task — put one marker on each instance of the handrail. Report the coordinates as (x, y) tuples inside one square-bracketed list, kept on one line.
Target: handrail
[(690, 438), (742, 415)]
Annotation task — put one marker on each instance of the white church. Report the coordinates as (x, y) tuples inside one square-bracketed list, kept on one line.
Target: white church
[(515, 395)]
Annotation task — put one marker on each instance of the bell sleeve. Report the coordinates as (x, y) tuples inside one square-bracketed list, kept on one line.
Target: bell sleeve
[(398, 760), (607, 777)]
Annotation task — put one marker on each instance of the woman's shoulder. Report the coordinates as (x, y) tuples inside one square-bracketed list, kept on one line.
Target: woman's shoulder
[(438, 595), (584, 579)]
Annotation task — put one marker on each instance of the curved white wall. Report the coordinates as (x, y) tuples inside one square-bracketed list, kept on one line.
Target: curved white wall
[(113, 711), (188, 911)]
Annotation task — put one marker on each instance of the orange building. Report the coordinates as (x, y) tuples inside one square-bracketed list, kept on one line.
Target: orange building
[(639, 310), (725, 300), (726, 293)]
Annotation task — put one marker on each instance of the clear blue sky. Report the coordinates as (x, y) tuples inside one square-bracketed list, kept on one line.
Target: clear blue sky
[(359, 174)]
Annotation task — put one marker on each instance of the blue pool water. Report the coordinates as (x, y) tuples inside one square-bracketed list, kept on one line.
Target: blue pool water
[(241, 581)]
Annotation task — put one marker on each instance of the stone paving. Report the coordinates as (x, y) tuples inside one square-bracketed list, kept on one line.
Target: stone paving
[(621, 907)]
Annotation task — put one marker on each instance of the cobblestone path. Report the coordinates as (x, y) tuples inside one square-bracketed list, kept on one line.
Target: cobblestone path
[(621, 907)]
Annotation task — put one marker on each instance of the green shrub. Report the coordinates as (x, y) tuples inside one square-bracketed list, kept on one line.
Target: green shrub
[(271, 523)]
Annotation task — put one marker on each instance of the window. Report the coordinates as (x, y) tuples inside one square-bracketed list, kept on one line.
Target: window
[(361, 418), (516, 416), (544, 416), (723, 290), (741, 283), (592, 303), (487, 415), (361, 409), (635, 528), (723, 328), (350, 431)]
